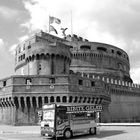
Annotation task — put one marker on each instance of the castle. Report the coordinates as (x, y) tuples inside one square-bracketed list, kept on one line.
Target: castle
[(72, 70)]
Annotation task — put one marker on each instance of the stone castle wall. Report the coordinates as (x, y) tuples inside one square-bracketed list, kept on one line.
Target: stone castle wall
[(28, 97), (73, 71)]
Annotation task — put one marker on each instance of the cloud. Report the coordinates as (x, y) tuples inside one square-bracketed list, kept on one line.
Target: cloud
[(7, 63), (8, 13), (113, 22), (22, 38), (135, 75), (13, 47), (1, 43)]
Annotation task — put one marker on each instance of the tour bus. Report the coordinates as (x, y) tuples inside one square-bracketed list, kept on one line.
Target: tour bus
[(59, 120)]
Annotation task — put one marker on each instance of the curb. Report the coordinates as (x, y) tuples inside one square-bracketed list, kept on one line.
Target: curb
[(119, 124)]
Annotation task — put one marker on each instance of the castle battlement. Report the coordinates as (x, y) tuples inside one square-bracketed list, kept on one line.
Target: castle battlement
[(116, 82)]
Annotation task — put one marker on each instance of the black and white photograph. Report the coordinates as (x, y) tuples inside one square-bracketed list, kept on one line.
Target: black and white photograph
[(69, 69)]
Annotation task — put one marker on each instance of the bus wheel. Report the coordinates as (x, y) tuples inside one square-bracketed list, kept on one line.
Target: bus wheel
[(67, 134), (92, 130), (42, 134)]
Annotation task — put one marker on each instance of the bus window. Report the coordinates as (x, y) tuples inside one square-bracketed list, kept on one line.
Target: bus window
[(61, 116), (76, 116), (91, 116)]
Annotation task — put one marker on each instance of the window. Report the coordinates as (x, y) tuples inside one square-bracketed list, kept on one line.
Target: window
[(119, 53), (39, 67), (92, 83), (19, 50), (101, 49), (52, 80), (29, 47), (19, 59), (85, 47), (80, 82), (23, 47), (4, 83), (23, 56), (28, 81), (112, 51)]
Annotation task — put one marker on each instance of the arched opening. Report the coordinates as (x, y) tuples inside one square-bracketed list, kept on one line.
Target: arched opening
[(33, 57), (96, 100), (30, 58), (22, 103), (52, 64), (37, 57), (16, 102), (85, 47), (101, 49), (52, 99), (88, 99), (34, 102), (64, 99), (119, 53), (80, 99), (58, 99), (70, 99), (40, 102), (7, 102), (92, 100), (28, 102), (71, 47), (84, 99), (42, 56), (45, 99), (76, 98)]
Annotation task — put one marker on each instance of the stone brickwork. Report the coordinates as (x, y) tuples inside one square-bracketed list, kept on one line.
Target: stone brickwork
[(72, 70), (27, 98)]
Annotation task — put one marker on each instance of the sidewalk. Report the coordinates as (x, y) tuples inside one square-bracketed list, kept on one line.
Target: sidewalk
[(19, 129)]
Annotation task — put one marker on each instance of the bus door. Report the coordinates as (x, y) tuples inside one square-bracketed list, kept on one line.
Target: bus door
[(62, 120)]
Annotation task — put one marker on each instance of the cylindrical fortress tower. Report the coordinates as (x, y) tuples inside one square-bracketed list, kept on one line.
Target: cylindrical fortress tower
[(99, 58), (40, 57)]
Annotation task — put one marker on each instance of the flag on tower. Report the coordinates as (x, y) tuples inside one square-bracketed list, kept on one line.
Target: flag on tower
[(53, 29), (54, 20)]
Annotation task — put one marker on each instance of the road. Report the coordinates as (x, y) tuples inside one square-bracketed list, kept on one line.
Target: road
[(106, 133)]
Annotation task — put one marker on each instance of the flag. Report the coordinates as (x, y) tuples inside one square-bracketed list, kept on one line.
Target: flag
[(51, 28), (54, 20), (63, 31)]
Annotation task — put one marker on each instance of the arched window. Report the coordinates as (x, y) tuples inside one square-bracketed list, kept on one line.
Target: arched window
[(119, 53), (101, 49), (85, 47)]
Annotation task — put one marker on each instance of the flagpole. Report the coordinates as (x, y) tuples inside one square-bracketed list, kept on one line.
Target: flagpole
[(49, 23), (71, 23)]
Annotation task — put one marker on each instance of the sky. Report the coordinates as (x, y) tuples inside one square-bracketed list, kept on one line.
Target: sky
[(115, 22)]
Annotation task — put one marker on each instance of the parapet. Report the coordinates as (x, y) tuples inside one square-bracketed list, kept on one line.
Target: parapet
[(75, 38), (111, 82)]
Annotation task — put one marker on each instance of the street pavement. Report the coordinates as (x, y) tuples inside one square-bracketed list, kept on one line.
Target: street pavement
[(19, 129), (108, 131)]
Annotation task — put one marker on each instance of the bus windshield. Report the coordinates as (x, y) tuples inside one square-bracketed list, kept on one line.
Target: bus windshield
[(48, 116)]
